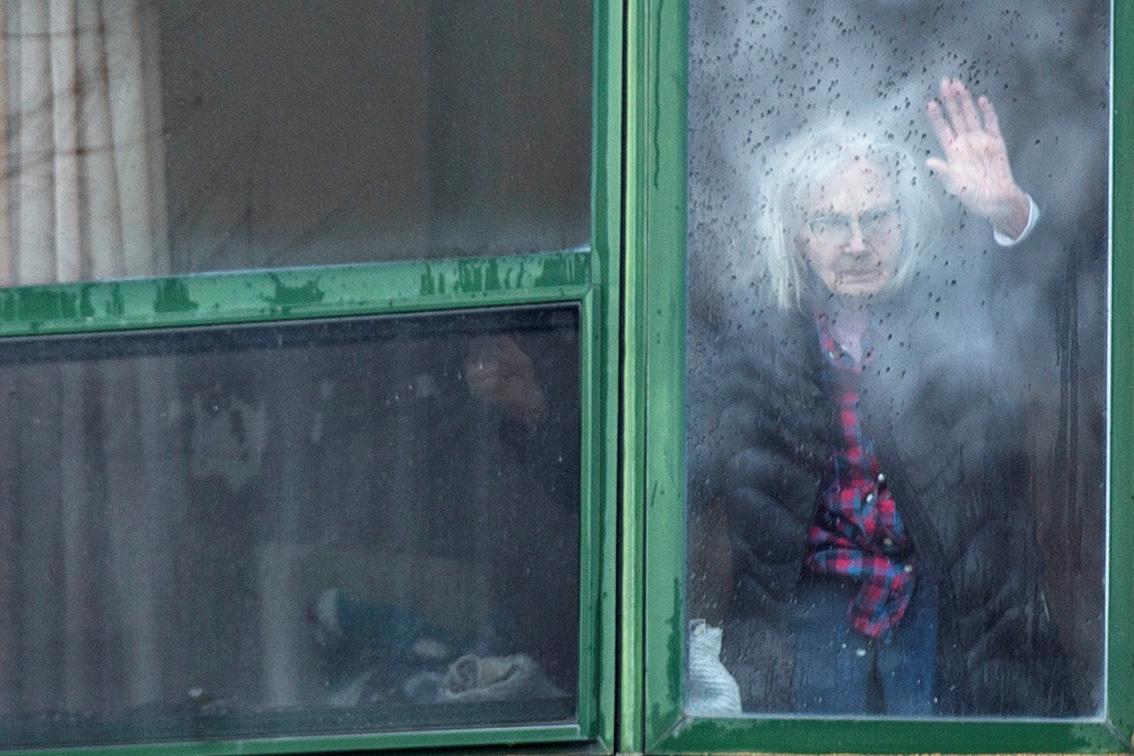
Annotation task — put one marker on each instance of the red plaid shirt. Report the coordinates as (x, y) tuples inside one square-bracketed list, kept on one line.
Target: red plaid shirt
[(858, 532)]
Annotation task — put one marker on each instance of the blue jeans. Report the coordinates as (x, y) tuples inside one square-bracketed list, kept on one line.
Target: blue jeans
[(839, 671)]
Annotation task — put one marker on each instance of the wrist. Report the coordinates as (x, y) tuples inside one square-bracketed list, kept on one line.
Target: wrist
[(1011, 216)]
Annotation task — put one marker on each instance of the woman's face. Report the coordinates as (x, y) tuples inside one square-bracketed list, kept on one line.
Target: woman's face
[(851, 234)]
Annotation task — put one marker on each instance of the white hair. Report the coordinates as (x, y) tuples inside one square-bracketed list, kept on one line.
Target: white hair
[(802, 163)]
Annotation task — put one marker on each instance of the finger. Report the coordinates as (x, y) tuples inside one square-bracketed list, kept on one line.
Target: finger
[(941, 126), (943, 90), (953, 108), (957, 105), (967, 105), (991, 120)]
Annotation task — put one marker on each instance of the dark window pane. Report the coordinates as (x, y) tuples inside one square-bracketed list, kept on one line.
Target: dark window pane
[(327, 526), (352, 131), (145, 138), (897, 363)]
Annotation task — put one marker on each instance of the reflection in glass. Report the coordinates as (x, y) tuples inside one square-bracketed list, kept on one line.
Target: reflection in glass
[(145, 138), (327, 526), (897, 358)]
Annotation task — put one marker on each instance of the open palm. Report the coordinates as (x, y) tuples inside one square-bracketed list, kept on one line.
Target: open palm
[(975, 168)]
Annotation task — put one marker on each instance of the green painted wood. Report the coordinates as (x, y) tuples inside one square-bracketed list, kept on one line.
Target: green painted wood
[(656, 212), (812, 735), (1120, 658), (607, 220), (593, 535), (431, 739), (658, 178), (296, 293), (632, 572)]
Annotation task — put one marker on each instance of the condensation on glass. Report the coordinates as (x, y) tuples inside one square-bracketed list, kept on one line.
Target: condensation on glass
[(345, 525), (897, 358), (147, 138)]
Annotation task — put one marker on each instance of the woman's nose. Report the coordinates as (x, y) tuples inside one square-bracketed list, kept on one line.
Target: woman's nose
[(856, 243)]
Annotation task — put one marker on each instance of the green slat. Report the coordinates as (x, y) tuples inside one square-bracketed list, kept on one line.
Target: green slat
[(432, 739), (1120, 661), (607, 214), (632, 576), (303, 292)]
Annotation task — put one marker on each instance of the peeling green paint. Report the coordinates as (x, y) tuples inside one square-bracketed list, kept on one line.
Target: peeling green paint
[(492, 276), (40, 303), (428, 287), (483, 276), (115, 305), (661, 711), (173, 296), (404, 286), (470, 276), (285, 296), (564, 269), (86, 306)]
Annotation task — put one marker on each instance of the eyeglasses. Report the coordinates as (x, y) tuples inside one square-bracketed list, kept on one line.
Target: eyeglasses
[(838, 229)]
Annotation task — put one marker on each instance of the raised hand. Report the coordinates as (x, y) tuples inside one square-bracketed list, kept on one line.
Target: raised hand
[(498, 371), (975, 168)]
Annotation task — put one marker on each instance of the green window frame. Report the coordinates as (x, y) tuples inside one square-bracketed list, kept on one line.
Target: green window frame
[(654, 533), (588, 277)]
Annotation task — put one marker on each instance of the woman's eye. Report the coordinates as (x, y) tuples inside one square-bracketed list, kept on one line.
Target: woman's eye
[(878, 219), (828, 223)]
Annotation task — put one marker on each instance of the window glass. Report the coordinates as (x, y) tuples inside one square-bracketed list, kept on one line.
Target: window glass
[(330, 526), (200, 135), (897, 358)]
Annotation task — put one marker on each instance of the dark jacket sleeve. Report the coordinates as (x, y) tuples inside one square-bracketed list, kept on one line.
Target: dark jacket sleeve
[(771, 447)]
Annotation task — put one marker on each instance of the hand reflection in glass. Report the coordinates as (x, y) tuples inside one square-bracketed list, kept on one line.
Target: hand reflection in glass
[(499, 372)]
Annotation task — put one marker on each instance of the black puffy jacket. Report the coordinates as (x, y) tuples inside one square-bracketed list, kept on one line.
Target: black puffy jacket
[(943, 410)]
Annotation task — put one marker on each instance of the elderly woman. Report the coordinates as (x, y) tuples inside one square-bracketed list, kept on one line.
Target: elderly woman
[(867, 451)]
